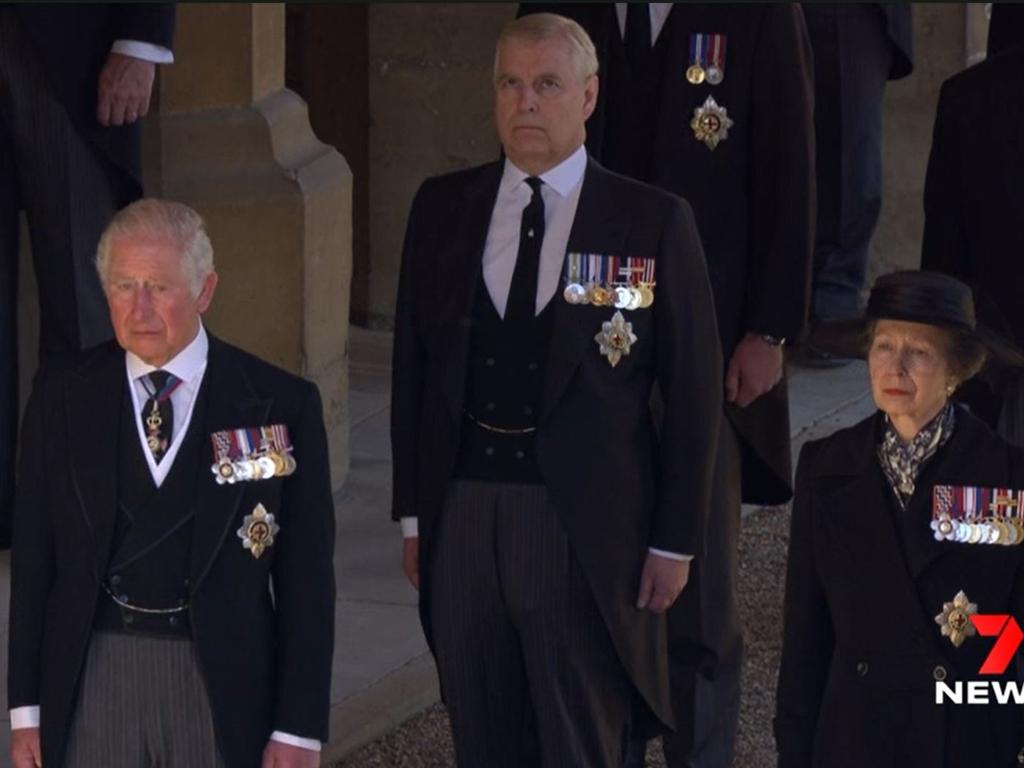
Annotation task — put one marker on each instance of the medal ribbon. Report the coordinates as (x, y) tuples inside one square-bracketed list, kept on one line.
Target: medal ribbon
[(698, 49), (718, 52)]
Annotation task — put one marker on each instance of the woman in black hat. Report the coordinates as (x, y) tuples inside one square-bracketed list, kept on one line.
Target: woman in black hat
[(897, 538)]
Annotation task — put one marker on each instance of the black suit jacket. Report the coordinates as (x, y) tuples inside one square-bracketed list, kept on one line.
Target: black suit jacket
[(864, 583), (266, 659), (974, 195), (753, 196), (899, 25), (73, 40), (595, 420)]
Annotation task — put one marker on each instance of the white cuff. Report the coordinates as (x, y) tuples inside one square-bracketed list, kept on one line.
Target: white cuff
[(24, 717), (295, 741), (145, 51), (670, 555), (410, 527)]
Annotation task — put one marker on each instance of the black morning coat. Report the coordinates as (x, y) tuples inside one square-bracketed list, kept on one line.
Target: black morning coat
[(861, 649), (753, 196), (618, 486), (265, 658), (974, 195), (73, 40)]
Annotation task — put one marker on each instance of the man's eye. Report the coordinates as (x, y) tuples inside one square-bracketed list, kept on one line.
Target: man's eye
[(548, 84)]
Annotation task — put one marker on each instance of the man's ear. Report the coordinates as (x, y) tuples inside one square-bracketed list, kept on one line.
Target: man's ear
[(590, 96), (206, 294)]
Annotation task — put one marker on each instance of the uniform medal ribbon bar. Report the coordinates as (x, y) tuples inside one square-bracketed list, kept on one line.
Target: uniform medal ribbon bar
[(976, 515), (609, 281), (252, 453)]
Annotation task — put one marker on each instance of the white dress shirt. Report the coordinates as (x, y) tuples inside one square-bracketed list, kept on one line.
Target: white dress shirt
[(659, 12), (145, 51), (189, 366), (561, 193)]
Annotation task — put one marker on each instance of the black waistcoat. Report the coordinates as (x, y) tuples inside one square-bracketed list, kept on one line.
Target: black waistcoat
[(630, 133), (504, 381), (152, 545)]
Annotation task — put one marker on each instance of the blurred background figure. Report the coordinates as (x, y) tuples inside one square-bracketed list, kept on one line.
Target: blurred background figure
[(857, 48), (974, 203), (74, 81)]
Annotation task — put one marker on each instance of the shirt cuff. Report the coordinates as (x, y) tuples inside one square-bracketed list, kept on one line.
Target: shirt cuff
[(24, 717), (670, 555), (410, 527), (295, 741), (145, 51)]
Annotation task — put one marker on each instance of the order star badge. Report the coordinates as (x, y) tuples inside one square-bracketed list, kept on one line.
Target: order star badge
[(616, 338), (711, 123), (258, 530), (955, 619)]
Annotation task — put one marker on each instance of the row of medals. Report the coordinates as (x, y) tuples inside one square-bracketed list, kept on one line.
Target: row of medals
[(639, 296), (263, 467), (1006, 531), (696, 74)]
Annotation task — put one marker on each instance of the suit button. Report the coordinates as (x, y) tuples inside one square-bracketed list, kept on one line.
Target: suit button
[(115, 579), (128, 619), (490, 406), (533, 366), (939, 673), (123, 598), (488, 451), (489, 362), (173, 621), (862, 669), (528, 410), (520, 454)]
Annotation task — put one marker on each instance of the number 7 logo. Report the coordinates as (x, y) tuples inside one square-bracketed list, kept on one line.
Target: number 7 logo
[(1009, 635)]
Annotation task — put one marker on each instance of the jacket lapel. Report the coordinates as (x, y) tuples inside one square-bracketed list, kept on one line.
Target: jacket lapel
[(231, 403), (459, 274), (93, 394), (597, 228)]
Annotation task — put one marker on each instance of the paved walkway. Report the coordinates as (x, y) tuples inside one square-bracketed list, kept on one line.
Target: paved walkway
[(382, 672)]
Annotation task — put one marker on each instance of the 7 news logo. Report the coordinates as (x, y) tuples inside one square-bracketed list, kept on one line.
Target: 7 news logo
[(1008, 636)]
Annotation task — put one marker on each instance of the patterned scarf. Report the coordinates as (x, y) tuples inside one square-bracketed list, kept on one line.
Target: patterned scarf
[(901, 462)]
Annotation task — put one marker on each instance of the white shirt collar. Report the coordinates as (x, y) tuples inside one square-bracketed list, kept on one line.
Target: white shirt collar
[(185, 365), (563, 178)]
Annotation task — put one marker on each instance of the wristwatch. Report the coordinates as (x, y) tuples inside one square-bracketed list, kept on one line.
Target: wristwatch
[(775, 341)]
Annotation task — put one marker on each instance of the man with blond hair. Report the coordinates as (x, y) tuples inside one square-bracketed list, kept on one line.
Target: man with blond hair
[(172, 596), (547, 526)]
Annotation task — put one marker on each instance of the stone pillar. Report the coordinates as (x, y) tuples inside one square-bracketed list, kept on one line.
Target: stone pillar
[(236, 145)]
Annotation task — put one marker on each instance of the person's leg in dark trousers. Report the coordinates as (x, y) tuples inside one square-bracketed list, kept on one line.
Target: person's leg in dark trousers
[(527, 667), (68, 192), (705, 633), (852, 59)]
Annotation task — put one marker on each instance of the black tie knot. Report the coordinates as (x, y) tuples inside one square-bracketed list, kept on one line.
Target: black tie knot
[(535, 184), (158, 379)]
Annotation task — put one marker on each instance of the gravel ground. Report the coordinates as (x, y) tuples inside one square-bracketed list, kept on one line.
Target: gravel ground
[(425, 741)]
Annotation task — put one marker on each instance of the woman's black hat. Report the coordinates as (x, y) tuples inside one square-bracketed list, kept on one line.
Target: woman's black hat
[(917, 296)]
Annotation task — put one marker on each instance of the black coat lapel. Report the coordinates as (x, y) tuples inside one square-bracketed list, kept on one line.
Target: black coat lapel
[(231, 403), (597, 228), (458, 276), (93, 393)]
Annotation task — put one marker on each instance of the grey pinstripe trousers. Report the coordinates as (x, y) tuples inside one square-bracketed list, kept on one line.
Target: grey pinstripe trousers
[(142, 704), (527, 666)]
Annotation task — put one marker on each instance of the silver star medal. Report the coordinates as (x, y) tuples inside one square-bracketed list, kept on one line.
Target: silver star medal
[(955, 619), (258, 530), (616, 338)]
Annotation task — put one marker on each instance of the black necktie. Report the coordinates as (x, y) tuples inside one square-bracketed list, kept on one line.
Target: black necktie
[(522, 294), (158, 413), (638, 36)]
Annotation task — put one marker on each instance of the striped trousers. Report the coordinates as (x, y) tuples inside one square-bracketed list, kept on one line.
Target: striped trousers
[(142, 704), (527, 666)]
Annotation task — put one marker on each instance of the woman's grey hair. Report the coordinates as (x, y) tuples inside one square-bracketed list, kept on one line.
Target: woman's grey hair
[(537, 27), (165, 220), (965, 355)]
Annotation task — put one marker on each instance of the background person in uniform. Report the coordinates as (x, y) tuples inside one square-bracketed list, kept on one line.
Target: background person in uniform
[(158, 617), (974, 201), (714, 103), (857, 48), (74, 80), (880, 585), (547, 525)]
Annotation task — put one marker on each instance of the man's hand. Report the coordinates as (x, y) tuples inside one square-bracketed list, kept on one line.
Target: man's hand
[(280, 755), (126, 83), (25, 751), (411, 560), (755, 367), (661, 582)]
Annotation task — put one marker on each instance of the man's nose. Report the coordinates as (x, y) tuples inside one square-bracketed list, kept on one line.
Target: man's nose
[(142, 303), (528, 100)]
